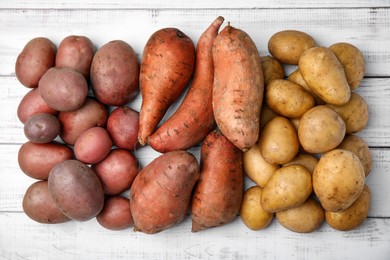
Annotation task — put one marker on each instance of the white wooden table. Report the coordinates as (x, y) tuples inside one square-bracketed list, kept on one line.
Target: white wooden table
[(365, 24)]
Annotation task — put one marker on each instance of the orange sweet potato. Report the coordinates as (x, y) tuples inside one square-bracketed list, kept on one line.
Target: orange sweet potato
[(167, 65), (238, 87), (218, 194), (194, 118)]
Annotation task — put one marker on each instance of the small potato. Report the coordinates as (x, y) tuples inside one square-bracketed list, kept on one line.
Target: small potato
[(39, 205), (117, 171), (123, 125), (338, 179), (42, 128), (353, 216), (272, 69), (63, 89), (278, 141), (35, 59), (295, 122), (306, 160), (296, 77), (251, 212), (115, 214), (36, 160), (321, 129), (93, 145), (354, 113), (266, 115), (305, 218), (352, 61), (256, 168), (288, 99), (359, 147), (287, 46), (287, 188)]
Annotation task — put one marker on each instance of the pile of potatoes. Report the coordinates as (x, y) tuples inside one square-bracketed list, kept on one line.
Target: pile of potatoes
[(308, 164)]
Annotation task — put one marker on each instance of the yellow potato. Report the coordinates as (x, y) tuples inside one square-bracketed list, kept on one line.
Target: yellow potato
[(272, 69), (266, 115), (305, 218), (353, 216), (296, 77), (256, 168), (287, 98), (306, 160), (320, 130), (287, 46), (287, 188), (251, 212), (278, 141), (338, 179), (295, 122), (352, 61), (325, 76)]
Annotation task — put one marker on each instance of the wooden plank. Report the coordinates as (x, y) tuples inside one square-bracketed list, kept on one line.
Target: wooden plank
[(363, 27), (22, 238)]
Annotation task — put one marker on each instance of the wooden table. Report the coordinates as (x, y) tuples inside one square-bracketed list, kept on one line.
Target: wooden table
[(365, 24)]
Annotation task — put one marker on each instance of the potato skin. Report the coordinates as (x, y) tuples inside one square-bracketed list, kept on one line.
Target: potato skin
[(238, 87), (272, 69), (309, 161), (42, 128), (39, 205), (76, 190), (160, 194), (36, 160), (218, 194), (37, 56), (115, 214), (296, 77)]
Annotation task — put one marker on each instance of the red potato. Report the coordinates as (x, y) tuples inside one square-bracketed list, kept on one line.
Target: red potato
[(37, 56), (117, 171), (194, 118), (93, 145), (217, 196), (160, 194), (115, 214), (238, 87), (42, 128), (123, 125), (167, 65)]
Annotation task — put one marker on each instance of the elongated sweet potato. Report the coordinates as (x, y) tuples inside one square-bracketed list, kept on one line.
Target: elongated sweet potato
[(167, 65), (238, 87), (217, 196), (194, 118), (161, 193)]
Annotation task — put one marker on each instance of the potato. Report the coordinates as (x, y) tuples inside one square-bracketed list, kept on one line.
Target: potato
[(63, 89), (39, 205), (73, 123), (76, 190), (42, 128), (354, 113), (338, 179), (123, 125), (305, 218), (325, 76), (359, 147), (352, 61), (272, 69), (278, 141), (288, 99), (31, 104), (321, 129), (287, 188), (93, 145), (256, 168), (266, 115), (115, 214), (287, 46), (160, 194), (295, 122), (296, 77), (251, 212), (117, 171), (37, 56), (115, 73), (36, 160), (76, 52), (353, 216), (309, 161)]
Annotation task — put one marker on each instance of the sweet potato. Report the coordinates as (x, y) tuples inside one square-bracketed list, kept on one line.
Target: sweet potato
[(194, 118), (160, 194), (218, 194), (167, 65), (238, 87)]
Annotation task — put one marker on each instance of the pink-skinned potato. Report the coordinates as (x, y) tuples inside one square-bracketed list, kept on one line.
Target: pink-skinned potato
[(115, 214)]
